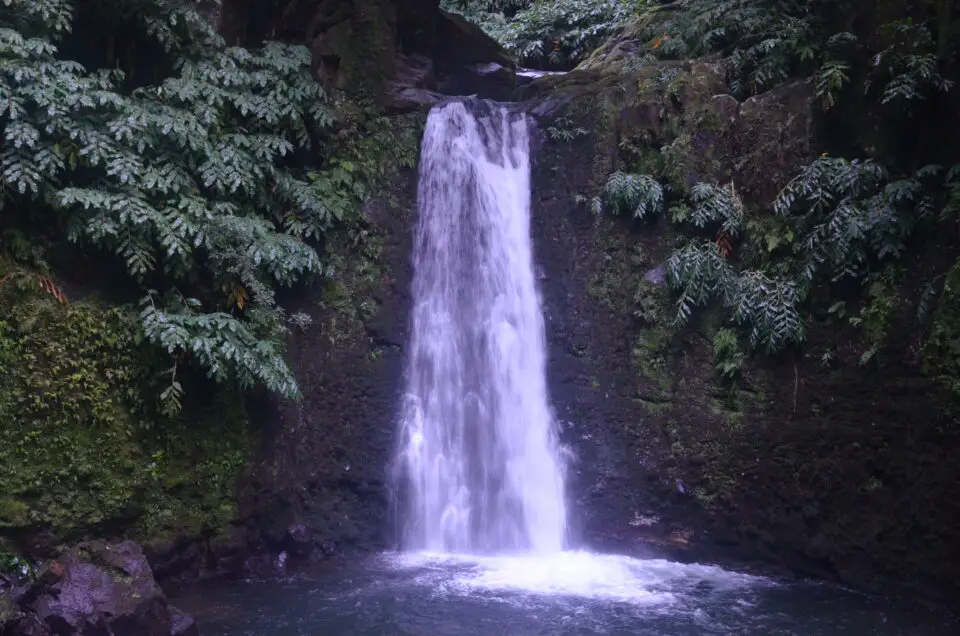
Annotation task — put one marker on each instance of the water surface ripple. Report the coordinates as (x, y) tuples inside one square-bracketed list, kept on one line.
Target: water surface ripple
[(571, 594)]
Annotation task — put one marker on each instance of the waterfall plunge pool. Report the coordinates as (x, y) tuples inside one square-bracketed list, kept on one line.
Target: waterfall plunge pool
[(567, 594), (481, 463)]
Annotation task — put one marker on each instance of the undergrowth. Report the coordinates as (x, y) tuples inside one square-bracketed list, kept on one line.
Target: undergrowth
[(841, 220)]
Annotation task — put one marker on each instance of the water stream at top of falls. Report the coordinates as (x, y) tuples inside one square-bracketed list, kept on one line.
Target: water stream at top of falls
[(479, 455)]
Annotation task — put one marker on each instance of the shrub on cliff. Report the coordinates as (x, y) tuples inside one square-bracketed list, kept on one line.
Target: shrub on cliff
[(898, 57), (885, 82)]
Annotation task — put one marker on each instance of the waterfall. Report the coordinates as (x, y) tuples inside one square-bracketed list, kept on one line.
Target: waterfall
[(478, 451)]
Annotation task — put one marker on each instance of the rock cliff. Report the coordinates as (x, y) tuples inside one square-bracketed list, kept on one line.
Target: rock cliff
[(824, 468)]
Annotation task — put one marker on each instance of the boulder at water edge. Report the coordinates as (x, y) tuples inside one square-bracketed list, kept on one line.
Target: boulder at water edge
[(94, 589)]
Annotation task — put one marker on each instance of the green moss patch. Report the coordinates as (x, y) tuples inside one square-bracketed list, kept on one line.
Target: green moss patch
[(83, 451)]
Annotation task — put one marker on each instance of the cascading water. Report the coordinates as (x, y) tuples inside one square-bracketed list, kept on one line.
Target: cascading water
[(479, 475), (478, 463), (479, 454)]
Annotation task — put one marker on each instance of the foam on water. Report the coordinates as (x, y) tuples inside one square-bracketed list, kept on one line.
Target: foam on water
[(571, 573)]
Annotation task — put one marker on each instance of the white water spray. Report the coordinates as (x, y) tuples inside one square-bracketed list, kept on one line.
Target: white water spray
[(479, 471), (479, 453)]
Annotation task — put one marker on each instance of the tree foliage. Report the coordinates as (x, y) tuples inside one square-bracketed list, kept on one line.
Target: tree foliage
[(851, 214), (192, 182), (640, 194), (841, 219), (766, 42), (548, 33)]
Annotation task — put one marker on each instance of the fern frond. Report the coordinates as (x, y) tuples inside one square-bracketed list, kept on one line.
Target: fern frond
[(713, 204), (770, 307), (701, 274), (641, 194)]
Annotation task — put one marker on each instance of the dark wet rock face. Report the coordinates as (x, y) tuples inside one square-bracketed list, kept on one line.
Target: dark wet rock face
[(181, 624), (320, 485), (94, 589), (470, 62), (802, 467), (413, 86), (490, 80)]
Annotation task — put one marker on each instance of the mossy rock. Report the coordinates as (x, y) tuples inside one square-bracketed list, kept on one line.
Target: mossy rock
[(355, 52), (84, 451)]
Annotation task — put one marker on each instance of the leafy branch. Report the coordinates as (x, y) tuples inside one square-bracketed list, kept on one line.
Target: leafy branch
[(193, 178)]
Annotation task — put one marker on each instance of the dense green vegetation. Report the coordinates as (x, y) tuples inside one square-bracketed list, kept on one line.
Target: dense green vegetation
[(157, 189), (884, 190), (884, 76), (548, 33), (179, 157)]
